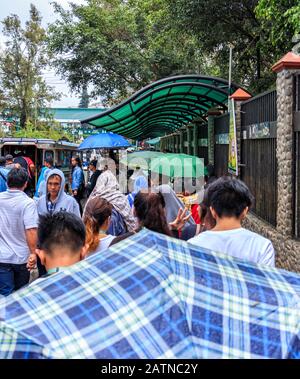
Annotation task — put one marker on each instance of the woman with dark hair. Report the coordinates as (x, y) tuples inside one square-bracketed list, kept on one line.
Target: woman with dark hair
[(77, 180), (96, 218), (149, 209)]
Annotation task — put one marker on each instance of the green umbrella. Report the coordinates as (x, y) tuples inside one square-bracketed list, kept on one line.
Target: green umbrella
[(140, 159), (178, 165)]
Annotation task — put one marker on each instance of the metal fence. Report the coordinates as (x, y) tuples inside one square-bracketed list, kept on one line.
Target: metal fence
[(221, 126), (297, 186), (258, 153), (296, 181), (202, 143)]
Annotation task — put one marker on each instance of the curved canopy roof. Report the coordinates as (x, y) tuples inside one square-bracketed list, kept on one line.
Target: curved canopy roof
[(164, 106)]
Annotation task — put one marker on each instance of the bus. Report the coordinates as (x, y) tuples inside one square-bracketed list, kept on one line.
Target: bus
[(40, 149)]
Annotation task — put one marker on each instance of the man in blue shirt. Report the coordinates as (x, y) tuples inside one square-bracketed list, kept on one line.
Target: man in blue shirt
[(48, 165), (78, 185), (3, 175)]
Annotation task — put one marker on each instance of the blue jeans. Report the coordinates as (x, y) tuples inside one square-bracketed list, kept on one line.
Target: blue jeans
[(12, 277)]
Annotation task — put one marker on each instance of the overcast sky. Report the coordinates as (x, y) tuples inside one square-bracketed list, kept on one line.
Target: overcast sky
[(21, 8)]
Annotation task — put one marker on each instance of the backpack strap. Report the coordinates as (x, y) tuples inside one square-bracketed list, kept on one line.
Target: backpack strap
[(3, 177)]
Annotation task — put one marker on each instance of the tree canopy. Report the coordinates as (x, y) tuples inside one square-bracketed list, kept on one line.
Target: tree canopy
[(260, 31), (115, 47), (23, 89), (120, 46)]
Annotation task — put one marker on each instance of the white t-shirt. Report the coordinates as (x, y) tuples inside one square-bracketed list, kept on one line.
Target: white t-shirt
[(18, 212), (240, 243), (104, 243)]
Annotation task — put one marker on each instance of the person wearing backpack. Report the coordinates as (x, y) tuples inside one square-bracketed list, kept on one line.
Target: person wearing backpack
[(28, 165)]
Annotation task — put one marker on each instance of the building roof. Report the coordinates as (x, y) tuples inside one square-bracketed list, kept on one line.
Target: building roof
[(74, 114)]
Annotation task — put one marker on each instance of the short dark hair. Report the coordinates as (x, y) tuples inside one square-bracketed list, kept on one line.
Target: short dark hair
[(228, 197), (93, 163), (49, 161), (17, 177), (2, 161), (78, 160), (61, 229), (53, 175)]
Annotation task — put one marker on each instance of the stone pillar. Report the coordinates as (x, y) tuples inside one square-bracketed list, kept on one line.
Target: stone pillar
[(211, 139), (286, 68), (195, 138), (189, 139)]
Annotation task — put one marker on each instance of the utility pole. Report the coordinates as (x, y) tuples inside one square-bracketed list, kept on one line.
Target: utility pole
[(230, 70)]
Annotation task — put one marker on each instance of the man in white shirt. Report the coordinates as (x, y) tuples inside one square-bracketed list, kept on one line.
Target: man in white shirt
[(229, 201), (18, 233)]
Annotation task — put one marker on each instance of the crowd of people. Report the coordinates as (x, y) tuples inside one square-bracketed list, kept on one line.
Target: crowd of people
[(53, 230)]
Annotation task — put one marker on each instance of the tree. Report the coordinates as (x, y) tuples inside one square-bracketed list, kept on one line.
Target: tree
[(119, 46), (23, 88), (280, 20), (84, 100), (218, 23), (44, 129)]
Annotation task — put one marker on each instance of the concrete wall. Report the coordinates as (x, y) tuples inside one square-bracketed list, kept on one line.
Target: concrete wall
[(287, 249)]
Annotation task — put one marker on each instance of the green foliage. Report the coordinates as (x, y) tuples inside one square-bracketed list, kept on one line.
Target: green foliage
[(260, 31), (42, 129), (293, 15), (22, 87), (280, 21), (120, 46)]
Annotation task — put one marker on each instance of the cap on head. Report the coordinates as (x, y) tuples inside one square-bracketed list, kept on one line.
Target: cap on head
[(9, 157)]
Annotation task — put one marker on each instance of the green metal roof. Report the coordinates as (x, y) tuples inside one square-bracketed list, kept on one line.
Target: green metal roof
[(65, 114), (164, 106)]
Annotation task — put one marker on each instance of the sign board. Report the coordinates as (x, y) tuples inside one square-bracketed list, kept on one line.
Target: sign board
[(232, 151)]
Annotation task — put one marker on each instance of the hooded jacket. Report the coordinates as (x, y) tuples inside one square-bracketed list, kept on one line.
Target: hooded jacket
[(63, 202), (173, 204)]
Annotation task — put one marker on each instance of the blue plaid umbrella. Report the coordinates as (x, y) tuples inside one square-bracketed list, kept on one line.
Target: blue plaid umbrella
[(151, 296)]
